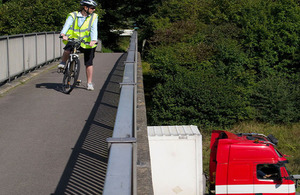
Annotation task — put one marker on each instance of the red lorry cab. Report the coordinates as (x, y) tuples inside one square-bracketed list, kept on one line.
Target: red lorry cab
[(247, 164)]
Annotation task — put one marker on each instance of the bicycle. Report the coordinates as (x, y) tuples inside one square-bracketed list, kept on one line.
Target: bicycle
[(72, 68)]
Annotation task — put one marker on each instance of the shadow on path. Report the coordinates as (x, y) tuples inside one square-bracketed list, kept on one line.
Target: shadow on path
[(54, 86), (86, 169)]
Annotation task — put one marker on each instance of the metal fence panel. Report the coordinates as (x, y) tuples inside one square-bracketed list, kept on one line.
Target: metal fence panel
[(15, 50), (57, 46), (49, 47), (41, 49), (20, 53), (30, 52)]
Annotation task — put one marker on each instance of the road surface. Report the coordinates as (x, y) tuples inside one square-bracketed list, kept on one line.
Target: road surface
[(53, 143)]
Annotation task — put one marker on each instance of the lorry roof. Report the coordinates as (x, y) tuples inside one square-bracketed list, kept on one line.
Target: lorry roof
[(242, 138), (246, 142)]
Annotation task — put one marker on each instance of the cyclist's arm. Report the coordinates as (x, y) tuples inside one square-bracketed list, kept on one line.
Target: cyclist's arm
[(66, 27), (94, 32)]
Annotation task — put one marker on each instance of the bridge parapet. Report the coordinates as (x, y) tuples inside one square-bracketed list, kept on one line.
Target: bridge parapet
[(124, 164), (22, 53), (120, 176)]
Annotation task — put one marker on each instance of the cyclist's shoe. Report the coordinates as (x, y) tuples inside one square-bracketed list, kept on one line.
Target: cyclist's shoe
[(61, 66), (90, 87), (78, 82)]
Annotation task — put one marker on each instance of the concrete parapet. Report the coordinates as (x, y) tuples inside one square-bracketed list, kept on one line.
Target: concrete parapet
[(144, 178)]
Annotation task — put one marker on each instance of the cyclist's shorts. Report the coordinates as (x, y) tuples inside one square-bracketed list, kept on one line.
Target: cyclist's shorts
[(89, 54)]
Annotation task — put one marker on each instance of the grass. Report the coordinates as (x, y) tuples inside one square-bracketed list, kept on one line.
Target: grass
[(122, 45), (106, 50)]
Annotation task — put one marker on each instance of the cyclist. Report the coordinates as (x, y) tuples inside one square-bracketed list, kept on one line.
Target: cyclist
[(82, 24)]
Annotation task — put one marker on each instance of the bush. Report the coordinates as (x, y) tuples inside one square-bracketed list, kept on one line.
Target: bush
[(276, 100), (217, 66), (197, 97)]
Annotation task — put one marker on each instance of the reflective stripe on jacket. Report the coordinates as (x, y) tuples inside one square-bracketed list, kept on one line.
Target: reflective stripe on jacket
[(83, 31)]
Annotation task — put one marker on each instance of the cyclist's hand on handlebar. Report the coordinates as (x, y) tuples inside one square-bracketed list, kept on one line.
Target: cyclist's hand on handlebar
[(92, 43), (64, 37)]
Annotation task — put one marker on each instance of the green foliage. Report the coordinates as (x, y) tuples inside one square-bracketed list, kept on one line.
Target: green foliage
[(242, 45), (270, 35), (197, 97), (123, 14), (27, 16), (276, 100)]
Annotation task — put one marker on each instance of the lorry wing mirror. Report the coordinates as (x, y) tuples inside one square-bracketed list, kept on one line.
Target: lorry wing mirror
[(280, 164)]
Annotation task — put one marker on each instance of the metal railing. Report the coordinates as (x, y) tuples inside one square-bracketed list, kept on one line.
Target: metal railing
[(296, 178), (21, 53), (121, 170)]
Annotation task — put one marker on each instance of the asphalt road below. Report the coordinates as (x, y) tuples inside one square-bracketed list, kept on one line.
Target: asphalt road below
[(53, 143)]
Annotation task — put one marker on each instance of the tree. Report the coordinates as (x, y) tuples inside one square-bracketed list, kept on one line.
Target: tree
[(238, 44), (27, 16), (123, 14)]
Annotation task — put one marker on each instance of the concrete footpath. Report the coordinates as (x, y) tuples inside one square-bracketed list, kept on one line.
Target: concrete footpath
[(53, 143)]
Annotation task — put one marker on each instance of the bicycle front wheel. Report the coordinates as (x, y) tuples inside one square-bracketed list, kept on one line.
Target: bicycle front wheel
[(71, 76)]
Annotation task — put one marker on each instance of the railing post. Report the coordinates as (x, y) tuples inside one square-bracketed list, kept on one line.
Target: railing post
[(8, 71), (36, 50), (24, 53), (46, 36), (53, 45)]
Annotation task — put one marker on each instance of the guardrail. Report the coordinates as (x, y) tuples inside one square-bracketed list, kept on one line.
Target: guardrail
[(121, 170), (24, 52)]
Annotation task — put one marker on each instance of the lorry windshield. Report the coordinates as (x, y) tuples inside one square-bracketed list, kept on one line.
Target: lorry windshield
[(278, 153)]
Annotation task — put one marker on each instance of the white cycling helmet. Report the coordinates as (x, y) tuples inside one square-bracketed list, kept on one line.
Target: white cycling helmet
[(88, 3)]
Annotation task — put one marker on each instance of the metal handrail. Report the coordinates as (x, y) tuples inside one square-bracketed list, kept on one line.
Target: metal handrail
[(24, 52), (121, 170)]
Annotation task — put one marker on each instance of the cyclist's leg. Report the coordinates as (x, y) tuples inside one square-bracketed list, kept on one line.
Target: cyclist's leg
[(89, 55), (89, 73), (65, 57)]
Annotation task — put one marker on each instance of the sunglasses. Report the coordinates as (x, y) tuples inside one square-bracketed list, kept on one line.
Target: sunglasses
[(92, 7)]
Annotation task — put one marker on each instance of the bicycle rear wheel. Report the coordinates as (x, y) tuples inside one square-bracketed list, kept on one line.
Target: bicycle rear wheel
[(71, 76)]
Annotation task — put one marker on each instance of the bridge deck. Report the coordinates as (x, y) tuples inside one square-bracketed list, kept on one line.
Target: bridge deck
[(52, 143)]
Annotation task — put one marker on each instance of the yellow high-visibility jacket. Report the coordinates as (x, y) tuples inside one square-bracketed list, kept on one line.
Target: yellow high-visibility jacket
[(82, 32)]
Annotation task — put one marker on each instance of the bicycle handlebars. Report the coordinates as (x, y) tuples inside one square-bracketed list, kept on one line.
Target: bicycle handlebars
[(73, 40)]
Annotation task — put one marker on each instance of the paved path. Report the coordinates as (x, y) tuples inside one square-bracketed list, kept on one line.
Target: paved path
[(52, 143)]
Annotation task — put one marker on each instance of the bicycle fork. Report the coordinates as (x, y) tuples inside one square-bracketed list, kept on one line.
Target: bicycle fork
[(70, 67), (72, 58)]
